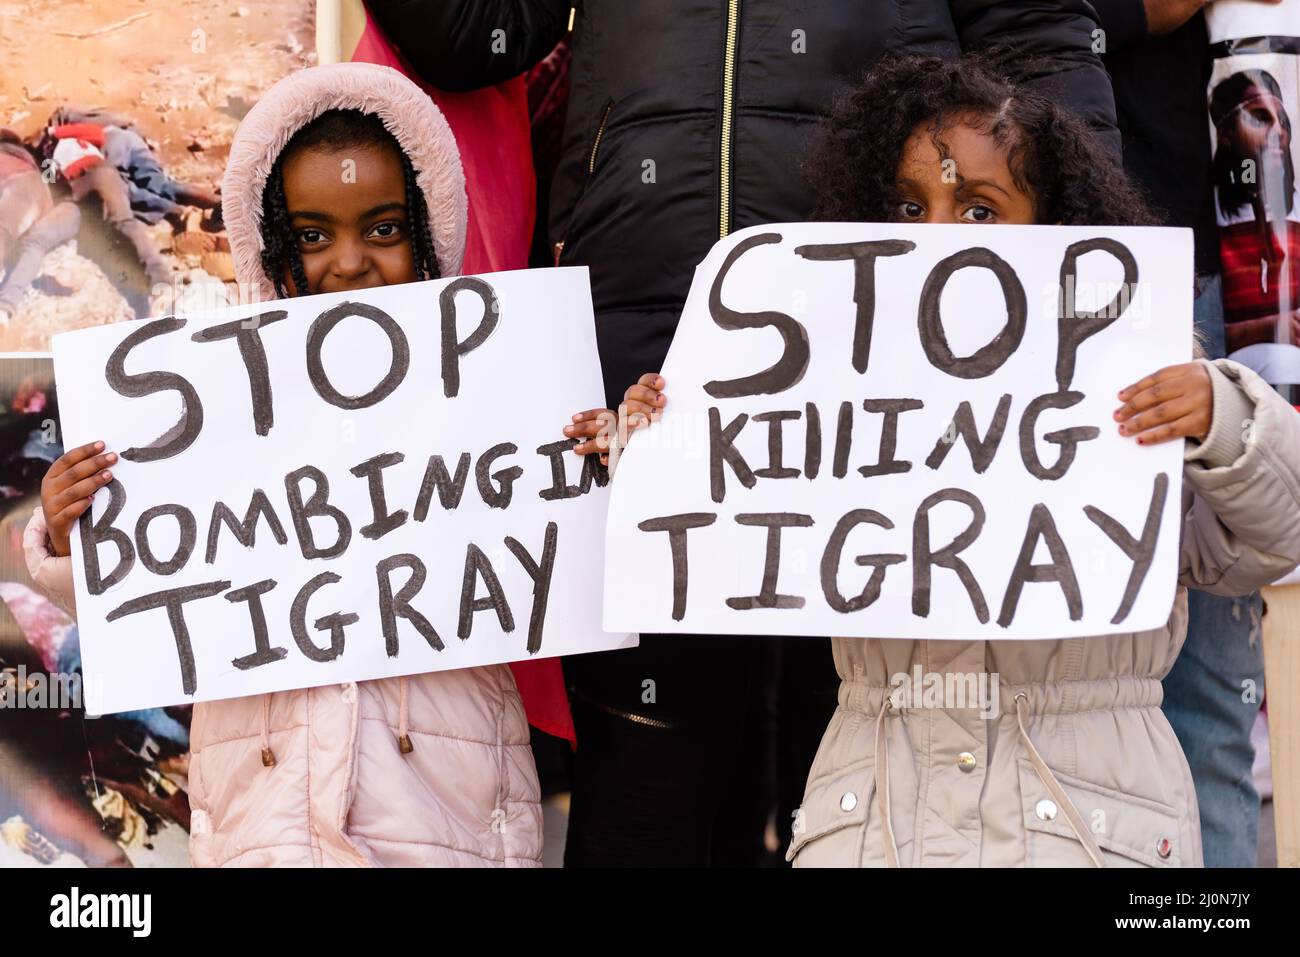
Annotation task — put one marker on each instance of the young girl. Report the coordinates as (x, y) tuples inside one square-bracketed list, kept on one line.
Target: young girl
[(1081, 766), (432, 770)]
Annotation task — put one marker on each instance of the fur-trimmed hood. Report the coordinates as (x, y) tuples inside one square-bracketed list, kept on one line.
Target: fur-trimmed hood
[(406, 111)]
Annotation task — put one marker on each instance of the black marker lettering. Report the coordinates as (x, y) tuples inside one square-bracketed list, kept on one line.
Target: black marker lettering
[(560, 488), (792, 365), (923, 559), (385, 521), (245, 531), (397, 369), (263, 653), (93, 533), (184, 546), (1067, 439), (722, 448), (334, 623), (1141, 551), (393, 607), (137, 385), (498, 497), (452, 350), (963, 426), (676, 526), (173, 599), (990, 357), (864, 255), (774, 469), (1059, 570), (478, 565), (449, 489), (1075, 327), (812, 451), (830, 568), (247, 334), (887, 464), (540, 573), (767, 596), (318, 504), (843, 440)]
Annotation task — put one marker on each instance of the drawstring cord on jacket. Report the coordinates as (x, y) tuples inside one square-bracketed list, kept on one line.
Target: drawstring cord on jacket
[(268, 756), (403, 714), (882, 785), (403, 719), (1072, 815)]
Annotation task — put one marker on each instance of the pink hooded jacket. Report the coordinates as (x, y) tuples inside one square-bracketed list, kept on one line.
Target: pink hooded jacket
[(432, 770)]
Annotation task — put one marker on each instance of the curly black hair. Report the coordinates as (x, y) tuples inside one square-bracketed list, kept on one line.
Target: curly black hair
[(336, 130), (1053, 157)]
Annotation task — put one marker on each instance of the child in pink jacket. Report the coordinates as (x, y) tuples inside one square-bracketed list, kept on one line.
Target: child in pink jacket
[(431, 770)]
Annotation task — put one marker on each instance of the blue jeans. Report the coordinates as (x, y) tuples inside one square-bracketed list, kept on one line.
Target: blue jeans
[(1214, 691)]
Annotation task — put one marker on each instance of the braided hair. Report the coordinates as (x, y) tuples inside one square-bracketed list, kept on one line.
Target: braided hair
[(337, 130)]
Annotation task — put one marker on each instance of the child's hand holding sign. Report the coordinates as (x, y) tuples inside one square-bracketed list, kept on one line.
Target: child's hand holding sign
[(1176, 402)]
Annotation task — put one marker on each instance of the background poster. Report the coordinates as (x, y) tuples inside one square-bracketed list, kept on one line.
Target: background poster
[(179, 75), (73, 791), (1254, 104), (172, 79)]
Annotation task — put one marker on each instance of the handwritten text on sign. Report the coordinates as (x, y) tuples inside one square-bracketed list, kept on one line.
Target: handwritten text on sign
[(336, 488), (906, 431)]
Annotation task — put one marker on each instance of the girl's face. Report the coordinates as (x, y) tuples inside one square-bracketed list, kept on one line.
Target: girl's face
[(1256, 128), (965, 179), (347, 210)]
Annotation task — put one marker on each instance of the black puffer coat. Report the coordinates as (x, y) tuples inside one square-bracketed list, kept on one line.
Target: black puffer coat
[(687, 118), (686, 121)]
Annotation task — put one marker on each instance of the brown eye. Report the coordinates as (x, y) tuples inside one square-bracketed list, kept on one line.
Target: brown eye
[(387, 230), (979, 213), (310, 237), (910, 210)]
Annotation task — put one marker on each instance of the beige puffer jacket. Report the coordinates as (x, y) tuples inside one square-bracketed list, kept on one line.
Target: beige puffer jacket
[(431, 770), (1079, 766)]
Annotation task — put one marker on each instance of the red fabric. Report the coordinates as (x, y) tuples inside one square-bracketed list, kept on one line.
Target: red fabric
[(1251, 291), (86, 132), (493, 132)]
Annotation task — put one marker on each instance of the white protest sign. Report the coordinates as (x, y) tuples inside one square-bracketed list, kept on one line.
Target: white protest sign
[(336, 488), (900, 431)]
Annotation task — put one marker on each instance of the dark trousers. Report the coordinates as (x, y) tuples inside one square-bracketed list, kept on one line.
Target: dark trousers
[(714, 777)]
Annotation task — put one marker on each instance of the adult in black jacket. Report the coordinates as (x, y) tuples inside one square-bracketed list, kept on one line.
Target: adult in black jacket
[(686, 121)]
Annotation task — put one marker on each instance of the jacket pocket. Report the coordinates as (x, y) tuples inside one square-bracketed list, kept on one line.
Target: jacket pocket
[(1130, 831), (830, 826), (593, 154)]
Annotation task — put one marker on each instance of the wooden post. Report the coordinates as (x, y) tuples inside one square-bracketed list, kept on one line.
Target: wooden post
[(328, 32), (1281, 627)]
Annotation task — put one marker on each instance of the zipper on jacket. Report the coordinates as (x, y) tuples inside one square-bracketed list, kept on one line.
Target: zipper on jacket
[(626, 715), (558, 248), (595, 143), (728, 109)]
